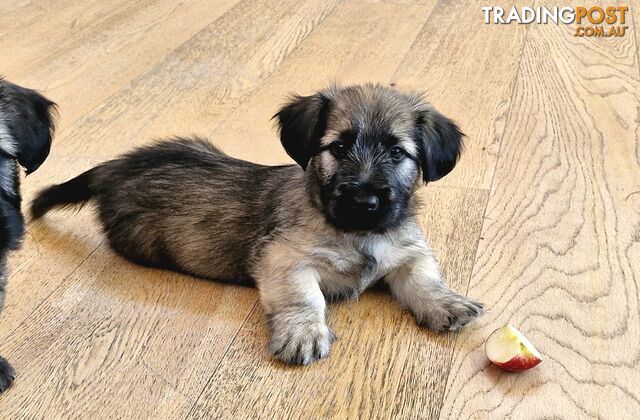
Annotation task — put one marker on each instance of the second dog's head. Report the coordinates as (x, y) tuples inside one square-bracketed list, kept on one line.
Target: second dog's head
[(365, 150), (26, 125)]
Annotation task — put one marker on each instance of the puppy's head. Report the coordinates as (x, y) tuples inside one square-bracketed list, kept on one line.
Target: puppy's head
[(26, 125), (366, 148)]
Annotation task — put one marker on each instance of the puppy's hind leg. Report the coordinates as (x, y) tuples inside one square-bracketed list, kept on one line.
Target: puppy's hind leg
[(418, 286)]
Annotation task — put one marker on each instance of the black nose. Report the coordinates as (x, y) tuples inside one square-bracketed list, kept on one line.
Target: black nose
[(366, 202)]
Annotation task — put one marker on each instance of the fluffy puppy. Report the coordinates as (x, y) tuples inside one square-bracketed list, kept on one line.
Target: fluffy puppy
[(333, 225), (26, 129)]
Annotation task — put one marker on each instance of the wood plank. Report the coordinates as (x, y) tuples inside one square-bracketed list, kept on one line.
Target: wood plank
[(130, 37), (467, 70), (31, 29), (405, 2), (560, 258), (382, 365), (195, 87), (51, 250), (82, 349), (632, 21), (343, 50)]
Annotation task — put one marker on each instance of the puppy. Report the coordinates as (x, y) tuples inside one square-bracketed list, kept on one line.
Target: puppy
[(26, 129), (330, 227)]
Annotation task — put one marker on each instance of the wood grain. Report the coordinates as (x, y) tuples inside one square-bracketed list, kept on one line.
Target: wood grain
[(195, 87), (31, 29), (467, 70), (96, 325), (48, 254), (343, 50), (561, 244), (130, 37), (632, 19)]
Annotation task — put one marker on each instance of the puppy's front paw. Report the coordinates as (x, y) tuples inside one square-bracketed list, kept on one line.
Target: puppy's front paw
[(7, 374), (296, 339), (450, 313)]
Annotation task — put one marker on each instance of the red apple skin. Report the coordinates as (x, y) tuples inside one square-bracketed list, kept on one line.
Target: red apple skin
[(509, 340), (519, 363)]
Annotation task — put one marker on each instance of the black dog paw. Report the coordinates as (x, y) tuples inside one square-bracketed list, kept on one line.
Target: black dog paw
[(7, 374)]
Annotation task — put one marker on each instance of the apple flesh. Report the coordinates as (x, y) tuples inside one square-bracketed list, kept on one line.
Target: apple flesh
[(509, 349)]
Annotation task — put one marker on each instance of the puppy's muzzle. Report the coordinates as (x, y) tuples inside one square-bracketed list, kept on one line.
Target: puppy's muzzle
[(362, 204), (365, 202)]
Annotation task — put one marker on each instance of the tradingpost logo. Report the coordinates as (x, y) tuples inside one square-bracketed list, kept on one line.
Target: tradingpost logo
[(594, 21)]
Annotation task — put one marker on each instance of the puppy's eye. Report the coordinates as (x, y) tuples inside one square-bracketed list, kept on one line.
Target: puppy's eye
[(338, 149), (397, 153)]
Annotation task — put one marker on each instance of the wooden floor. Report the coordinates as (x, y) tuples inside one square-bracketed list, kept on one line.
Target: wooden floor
[(540, 220)]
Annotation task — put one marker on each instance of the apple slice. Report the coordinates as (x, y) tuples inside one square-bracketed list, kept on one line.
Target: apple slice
[(509, 349)]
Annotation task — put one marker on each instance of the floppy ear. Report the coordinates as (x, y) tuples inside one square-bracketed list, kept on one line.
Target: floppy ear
[(302, 123), (440, 143), (28, 118)]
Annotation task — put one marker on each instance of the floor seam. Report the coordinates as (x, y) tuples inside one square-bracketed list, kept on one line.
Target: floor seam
[(164, 380), (270, 76), (457, 187), (635, 41), (222, 359), (144, 71), (415, 40), (46, 298), (484, 213)]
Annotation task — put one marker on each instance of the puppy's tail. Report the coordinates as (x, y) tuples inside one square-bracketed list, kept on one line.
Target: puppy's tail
[(73, 193)]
